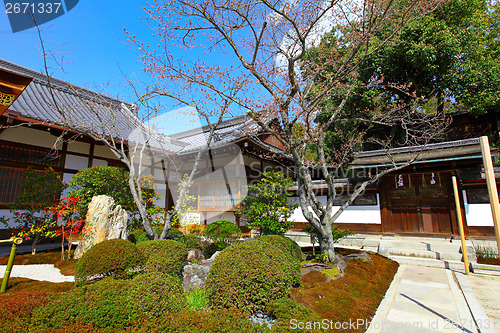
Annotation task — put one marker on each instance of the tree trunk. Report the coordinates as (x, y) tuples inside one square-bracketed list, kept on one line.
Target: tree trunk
[(142, 210), (33, 246)]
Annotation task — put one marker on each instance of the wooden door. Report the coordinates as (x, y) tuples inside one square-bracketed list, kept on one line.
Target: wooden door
[(417, 203)]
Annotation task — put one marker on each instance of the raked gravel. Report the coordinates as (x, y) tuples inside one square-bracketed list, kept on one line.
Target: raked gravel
[(42, 272)]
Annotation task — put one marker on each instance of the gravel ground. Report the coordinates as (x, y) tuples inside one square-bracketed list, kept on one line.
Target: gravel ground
[(486, 289), (42, 272)]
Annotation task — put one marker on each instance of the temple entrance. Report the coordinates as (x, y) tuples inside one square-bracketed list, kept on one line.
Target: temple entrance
[(417, 203)]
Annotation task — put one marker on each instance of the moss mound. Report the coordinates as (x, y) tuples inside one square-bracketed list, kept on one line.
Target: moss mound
[(115, 257), (249, 275), (290, 247), (163, 255)]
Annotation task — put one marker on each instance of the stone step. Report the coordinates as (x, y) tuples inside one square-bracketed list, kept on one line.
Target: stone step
[(426, 246), (485, 269), (449, 264), (455, 256)]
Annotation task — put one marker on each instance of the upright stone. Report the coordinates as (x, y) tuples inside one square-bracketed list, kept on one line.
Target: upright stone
[(104, 221)]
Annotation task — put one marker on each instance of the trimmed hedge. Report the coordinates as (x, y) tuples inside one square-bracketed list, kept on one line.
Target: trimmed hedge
[(223, 233), (104, 304), (249, 275), (154, 293), (163, 255), (111, 304), (191, 241), (115, 257), (216, 321), (138, 236), (174, 234), (290, 247)]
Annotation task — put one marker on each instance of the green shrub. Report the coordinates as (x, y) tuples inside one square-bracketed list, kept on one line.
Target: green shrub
[(111, 304), (191, 241), (138, 236), (108, 180), (289, 246), (248, 275), (174, 234), (286, 309), (115, 257), (104, 304), (223, 233), (209, 249), (215, 321), (164, 255), (154, 293)]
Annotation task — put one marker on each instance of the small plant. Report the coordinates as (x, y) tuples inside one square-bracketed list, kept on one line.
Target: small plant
[(311, 231), (485, 252), (196, 299), (42, 190), (322, 257), (223, 233), (267, 205), (339, 234), (68, 212)]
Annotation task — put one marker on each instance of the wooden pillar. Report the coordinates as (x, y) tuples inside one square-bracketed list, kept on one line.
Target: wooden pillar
[(492, 187), (460, 223)]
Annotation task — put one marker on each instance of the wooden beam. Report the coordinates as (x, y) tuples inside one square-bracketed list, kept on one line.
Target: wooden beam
[(460, 223)]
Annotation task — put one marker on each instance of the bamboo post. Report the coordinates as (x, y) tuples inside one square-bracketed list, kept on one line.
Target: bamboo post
[(15, 242), (492, 187), (460, 224)]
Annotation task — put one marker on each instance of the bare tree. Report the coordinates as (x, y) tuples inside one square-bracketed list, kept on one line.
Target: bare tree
[(258, 57)]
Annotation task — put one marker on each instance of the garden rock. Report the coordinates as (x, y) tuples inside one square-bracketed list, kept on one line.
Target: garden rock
[(104, 221), (194, 276), (195, 254), (358, 256)]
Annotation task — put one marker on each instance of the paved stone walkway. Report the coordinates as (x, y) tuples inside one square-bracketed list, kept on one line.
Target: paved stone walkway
[(425, 299)]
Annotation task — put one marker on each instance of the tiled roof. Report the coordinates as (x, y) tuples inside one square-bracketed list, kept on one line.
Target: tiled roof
[(58, 102)]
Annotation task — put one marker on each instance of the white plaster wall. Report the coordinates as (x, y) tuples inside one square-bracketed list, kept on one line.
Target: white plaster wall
[(66, 178), (97, 162), (76, 162), (477, 215), (216, 216), (79, 147), (352, 214), (162, 190), (30, 136), (103, 151), (6, 213)]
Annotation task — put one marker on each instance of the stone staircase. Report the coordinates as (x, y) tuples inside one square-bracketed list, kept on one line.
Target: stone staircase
[(423, 251)]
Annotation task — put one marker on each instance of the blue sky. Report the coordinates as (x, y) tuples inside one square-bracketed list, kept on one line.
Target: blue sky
[(91, 41)]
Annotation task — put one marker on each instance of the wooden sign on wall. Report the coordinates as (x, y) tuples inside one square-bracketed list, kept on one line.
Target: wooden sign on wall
[(11, 86)]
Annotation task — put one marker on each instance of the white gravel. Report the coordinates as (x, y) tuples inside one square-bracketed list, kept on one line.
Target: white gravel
[(42, 272)]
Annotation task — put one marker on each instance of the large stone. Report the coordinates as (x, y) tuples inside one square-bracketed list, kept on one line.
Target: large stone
[(195, 255), (194, 276), (104, 221)]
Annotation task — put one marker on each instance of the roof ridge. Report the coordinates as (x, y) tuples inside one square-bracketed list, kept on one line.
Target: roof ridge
[(56, 83)]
